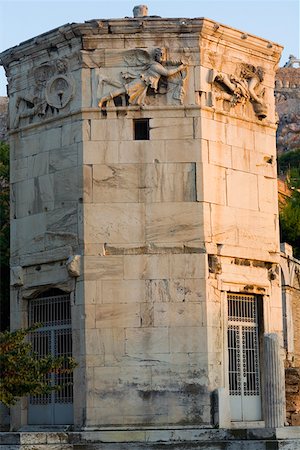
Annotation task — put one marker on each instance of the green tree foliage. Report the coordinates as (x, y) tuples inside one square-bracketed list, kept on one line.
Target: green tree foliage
[(4, 235), (22, 372), (289, 159), (290, 223), (289, 166)]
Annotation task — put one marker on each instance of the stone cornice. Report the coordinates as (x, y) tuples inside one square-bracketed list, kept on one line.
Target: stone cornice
[(224, 34), (50, 39), (97, 29), (93, 112)]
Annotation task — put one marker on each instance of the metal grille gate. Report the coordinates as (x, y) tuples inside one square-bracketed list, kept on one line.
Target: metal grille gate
[(55, 337), (243, 358)]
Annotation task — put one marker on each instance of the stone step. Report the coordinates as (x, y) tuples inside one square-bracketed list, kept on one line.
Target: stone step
[(236, 445), (155, 439), (37, 447), (34, 441)]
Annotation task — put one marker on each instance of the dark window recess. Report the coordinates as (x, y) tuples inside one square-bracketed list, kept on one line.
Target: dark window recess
[(141, 130)]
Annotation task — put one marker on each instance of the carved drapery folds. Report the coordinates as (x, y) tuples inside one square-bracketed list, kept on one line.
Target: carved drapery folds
[(52, 89), (147, 75), (240, 88)]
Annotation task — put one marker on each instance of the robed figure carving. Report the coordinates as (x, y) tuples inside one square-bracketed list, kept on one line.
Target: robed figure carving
[(242, 88), (151, 76)]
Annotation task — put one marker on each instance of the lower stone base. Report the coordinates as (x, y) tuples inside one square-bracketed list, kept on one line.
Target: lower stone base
[(155, 439)]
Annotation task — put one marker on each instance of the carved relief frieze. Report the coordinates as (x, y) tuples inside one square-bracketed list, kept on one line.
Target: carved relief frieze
[(53, 88), (245, 86), (146, 77), (59, 91)]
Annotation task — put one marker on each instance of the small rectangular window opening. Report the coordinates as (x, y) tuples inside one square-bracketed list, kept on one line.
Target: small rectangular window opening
[(141, 129)]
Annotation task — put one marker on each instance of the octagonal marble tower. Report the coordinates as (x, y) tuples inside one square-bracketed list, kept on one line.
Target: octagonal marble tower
[(144, 205)]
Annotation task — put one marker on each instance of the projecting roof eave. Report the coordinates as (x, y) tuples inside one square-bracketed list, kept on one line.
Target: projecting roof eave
[(97, 29)]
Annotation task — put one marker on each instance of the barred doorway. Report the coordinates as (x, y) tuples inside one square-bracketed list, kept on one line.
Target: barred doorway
[(53, 311), (243, 358)]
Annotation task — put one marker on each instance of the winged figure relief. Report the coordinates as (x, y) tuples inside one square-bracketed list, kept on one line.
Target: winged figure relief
[(147, 75)]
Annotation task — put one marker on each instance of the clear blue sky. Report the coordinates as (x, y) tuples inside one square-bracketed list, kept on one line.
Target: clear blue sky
[(276, 20)]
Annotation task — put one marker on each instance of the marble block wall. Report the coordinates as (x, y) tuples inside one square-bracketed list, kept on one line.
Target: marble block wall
[(145, 269)]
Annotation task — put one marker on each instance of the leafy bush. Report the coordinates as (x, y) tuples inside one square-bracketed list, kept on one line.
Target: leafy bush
[(289, 166), (289, 217), (290, 223), (23, 372)]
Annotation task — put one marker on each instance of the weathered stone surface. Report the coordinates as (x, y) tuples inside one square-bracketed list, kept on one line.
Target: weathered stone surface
[(109, 267), (219, 154), (111, 223), (172, 128), (168, 183), (116, 183), (188, 340), (173, 222), (238, 134), (73, 264), (177, 290), (241, 158), (102, 152), (67, 185), (142, 151), (114, 130), (142, 439), (16, 276), (186, 151), (51, 139), (19, 170), (189, 266), (118, 315), (46, 274), (63, 158), (62, 220), (266, 189), (264, 142), (147, 341), (140, 11), (146, 267), (178, 314), (246, 197), (212, 130), (224, 230), (73, 133), (123, 291), (28, 234), (212, 186), (275, 405)]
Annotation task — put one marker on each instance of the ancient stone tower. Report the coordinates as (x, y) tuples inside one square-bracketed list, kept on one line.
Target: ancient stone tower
[(144, 221)]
